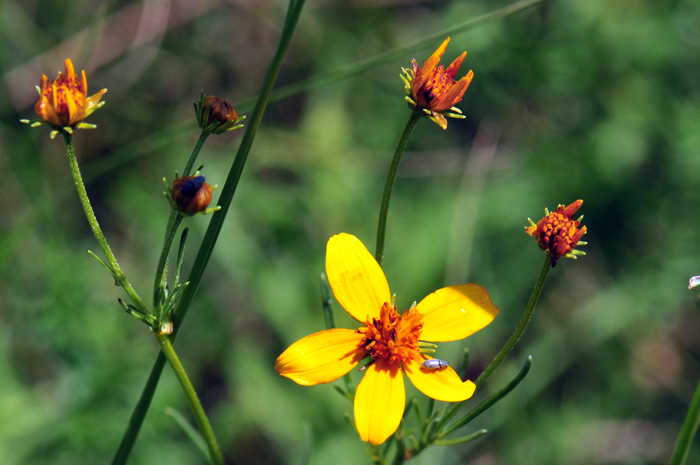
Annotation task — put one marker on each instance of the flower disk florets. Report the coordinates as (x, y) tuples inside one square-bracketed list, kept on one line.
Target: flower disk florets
[(393, 337), (558, 233)]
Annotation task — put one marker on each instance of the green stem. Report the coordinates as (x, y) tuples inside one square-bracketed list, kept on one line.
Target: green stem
[(95, 226), (692, 419), (212, 234), (384, 210), (200, 143), (174, 222), (488, 403), (688, 430), (171, 229), (527, 316), (199, 415)]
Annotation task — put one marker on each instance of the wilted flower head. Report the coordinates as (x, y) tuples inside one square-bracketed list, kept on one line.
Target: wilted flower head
[(216, 115), (389, 338), (433, 90), (191, 194), (64, 103), (558, 233)]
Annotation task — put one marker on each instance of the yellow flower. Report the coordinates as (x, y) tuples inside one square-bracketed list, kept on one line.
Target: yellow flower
[(433, 90), (557, 233), (64, 103), (390, 338)]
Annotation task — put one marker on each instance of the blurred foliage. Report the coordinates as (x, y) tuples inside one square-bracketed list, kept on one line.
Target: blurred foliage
[(594, 100)]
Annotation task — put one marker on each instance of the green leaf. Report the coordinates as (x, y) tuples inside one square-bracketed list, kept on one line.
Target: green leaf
[(191, 432)]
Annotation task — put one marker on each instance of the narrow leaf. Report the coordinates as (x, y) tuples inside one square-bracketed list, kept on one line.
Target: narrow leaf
[(191, 432)]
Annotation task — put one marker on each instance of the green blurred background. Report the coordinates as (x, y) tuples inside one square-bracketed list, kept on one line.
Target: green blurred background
[(598, 100)]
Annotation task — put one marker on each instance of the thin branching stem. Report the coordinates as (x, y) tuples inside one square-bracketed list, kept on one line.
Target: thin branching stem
[(386, 198), (524, 321), (174, 221), (215, 225), (691, 422), (95, 226)]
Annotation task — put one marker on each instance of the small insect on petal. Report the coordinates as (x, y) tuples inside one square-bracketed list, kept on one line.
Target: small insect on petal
[(435, 364)]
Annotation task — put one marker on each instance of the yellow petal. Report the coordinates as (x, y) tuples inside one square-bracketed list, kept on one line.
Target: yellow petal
[(441, 384), (70, 70), (321, 357), (356, 278), (455, 312), (379, 402), (432, 62)]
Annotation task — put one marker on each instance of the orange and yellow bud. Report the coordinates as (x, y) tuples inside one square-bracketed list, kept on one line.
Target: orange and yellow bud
[(64, 103), (216, 115), (433, 90), (558, 233), (191, 194)]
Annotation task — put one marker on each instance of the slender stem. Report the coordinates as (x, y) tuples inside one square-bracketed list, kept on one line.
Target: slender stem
[(488, 403), (174, 221), (212, 234), (139, 413), (527, 316), (95, 226), (688, 430), (200, 143), (196, 406), (692, 419), (525, 320), (384, 210), (171, 229)]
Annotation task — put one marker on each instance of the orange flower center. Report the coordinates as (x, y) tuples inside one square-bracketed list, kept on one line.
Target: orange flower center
[(558, 232), (438, 83), (392, 336)]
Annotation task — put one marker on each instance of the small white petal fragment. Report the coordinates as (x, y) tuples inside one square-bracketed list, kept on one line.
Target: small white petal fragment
[(694, 282)]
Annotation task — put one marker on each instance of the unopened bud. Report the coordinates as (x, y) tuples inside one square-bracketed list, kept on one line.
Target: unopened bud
[(216, 115), (191, 194)]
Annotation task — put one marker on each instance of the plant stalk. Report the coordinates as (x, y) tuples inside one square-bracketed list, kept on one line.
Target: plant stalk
[(174, 221), (212, 234), (688, 430), (524, 321), (202, 421), (197, 148), (95, 226), (386, 198)]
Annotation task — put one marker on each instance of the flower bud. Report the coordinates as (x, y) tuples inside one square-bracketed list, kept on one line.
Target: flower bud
[(220, 110), (191, 194), (216, 115)]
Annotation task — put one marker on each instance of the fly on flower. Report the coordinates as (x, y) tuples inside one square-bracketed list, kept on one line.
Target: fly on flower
[(63, 103), (390, 338), (435, 364), (433, 89)]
